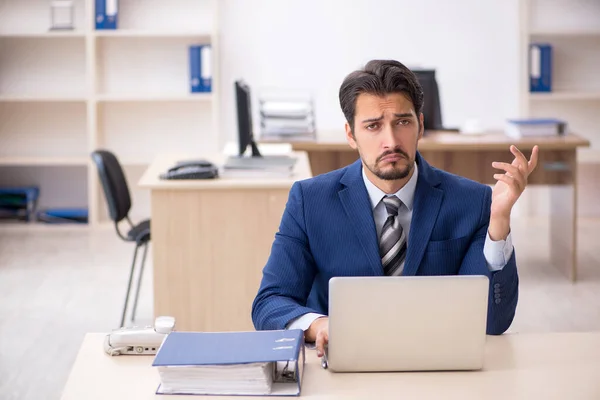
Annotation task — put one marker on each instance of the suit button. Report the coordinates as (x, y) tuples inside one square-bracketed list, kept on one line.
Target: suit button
[(498, 301), (496, 290), (497, 295), (497, 286)]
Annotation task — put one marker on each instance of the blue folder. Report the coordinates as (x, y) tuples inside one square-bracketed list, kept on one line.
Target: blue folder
[(112, 14), (200, 68), (540, 67), (106, 14), (195, 54), (100, 12), (201, 349), (63, 215)]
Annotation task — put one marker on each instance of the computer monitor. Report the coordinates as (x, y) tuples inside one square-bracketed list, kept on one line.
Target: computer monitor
[(244, 118), (432, 110)]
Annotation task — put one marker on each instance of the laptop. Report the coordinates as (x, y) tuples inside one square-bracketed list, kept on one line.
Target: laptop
[(412, 323)]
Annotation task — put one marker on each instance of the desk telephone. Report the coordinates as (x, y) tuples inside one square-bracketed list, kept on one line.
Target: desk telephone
[(139, 340), (192, 169)]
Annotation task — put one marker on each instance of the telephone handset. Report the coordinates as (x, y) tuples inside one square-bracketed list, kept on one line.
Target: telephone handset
[(139, 340), (192, 169)]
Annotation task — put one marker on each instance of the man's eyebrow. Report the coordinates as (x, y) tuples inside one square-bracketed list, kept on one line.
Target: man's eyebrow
[(373, 119), (397, 115)]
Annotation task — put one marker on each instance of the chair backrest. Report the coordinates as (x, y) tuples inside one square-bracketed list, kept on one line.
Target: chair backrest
[(114, 184)]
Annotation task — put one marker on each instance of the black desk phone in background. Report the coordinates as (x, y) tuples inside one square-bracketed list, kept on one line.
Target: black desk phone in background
[(192, 169)]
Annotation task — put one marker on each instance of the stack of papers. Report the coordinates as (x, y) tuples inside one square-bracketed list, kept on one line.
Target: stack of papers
[(519, 128), (231, 363), (285, 117), (237, 379)]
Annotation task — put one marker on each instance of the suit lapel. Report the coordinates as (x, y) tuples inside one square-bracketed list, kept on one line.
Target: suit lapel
[(357, 206), (427, 203)]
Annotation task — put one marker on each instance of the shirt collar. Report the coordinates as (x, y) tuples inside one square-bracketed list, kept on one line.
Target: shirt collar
[(406, 194)]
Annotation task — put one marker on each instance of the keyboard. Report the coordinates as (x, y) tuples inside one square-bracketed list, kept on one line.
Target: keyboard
[(264, 162)]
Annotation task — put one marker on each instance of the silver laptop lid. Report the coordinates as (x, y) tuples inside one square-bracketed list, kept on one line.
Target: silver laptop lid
[(414, 323)]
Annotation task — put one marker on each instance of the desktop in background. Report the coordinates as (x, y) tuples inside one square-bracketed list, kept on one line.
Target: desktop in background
[(432, 109)]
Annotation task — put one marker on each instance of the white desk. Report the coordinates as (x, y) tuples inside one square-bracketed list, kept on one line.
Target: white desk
[(536, 366), (210, 241)]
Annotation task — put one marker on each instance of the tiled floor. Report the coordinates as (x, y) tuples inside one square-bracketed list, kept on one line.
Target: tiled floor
[(58, 284)]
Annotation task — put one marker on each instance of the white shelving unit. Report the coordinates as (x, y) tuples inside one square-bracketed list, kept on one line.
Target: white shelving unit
[(572, 27), (64, 94)]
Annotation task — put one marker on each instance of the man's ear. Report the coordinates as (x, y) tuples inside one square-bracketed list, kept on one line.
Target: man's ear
[(421, 126), (350, 136)]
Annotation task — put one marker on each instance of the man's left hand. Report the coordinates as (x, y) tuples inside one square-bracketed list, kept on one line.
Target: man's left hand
[(508, 189)]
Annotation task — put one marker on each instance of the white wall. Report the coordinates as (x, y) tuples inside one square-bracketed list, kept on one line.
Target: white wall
[(313, 44)]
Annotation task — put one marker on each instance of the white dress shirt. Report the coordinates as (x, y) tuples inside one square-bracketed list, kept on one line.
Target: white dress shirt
[(496, 253)]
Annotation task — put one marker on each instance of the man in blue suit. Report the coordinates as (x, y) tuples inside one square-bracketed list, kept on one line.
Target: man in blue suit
[(389, 213)]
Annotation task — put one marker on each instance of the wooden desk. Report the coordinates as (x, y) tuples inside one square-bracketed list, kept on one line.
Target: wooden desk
[(210, 242), (472, 157), (517, 366)]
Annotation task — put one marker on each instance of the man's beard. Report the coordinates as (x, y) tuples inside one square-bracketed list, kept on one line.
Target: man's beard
[(396, 172)]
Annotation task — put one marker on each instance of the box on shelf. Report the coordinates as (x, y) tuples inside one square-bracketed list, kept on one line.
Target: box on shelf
[(18, 203), (62, 15)]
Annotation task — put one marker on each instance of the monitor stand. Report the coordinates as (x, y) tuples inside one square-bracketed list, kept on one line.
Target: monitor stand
[(255, 152)]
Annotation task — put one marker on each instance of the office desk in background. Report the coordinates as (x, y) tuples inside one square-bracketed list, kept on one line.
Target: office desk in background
[(210, 242), (517, 366), (471, 156)]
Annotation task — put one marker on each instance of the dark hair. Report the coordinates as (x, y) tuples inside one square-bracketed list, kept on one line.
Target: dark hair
[(379, 77)]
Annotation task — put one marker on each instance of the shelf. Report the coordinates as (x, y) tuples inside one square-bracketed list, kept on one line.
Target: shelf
[(44, 132), (138, 132), (24, 226), (43, 35), (566, 95), (130, 33), (65, 93), (187, 16), (30, 67), (43, 161), (29, 98), (59, 185), (130, 69), (32, 18), (566, 33), (128, 98)]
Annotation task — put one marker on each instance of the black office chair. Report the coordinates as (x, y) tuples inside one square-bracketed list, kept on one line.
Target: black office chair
[(118, 199)]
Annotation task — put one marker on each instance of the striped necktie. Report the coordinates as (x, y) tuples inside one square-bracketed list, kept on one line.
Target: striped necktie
[(392, 244)]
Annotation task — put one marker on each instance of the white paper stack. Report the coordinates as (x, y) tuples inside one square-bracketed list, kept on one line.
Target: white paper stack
[(236, 379), (287, 117)]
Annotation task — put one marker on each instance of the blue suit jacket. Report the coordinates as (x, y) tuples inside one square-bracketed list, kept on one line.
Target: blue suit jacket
[(328, 230)]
